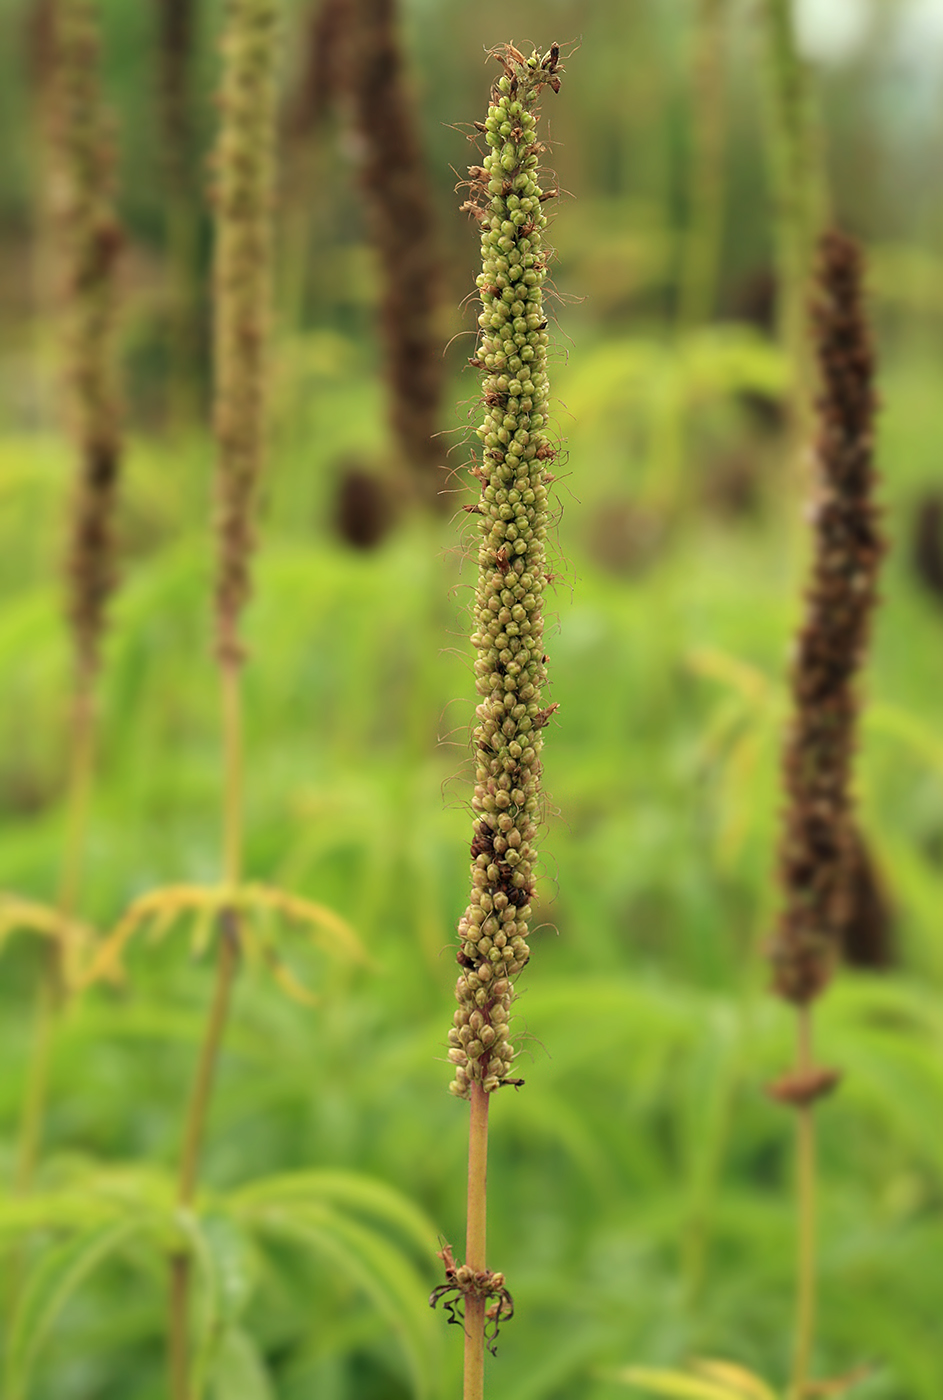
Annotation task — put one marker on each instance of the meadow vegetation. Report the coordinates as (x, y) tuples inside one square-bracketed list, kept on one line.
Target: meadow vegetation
[(641, 1202)]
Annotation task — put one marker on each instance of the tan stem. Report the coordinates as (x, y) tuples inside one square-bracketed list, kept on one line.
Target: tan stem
[(702, 244), (475, 1248), (82, 767), (232, 771), (805, 1170)]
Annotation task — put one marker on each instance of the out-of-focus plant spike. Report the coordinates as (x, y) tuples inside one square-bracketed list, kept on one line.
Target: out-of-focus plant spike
[(86, 240), (243, 189), (91, 240), (705, 215), (507, 202), (243, 196), (818, 843), (817, 855), (799, 188), (321, 89), (324, 69), (176, 21), (402, 223)]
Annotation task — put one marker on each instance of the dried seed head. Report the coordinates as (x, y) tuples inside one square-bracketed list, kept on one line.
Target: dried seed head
[(511, 516), (243, 199), (817, 850), (325, 68), (401, 217)]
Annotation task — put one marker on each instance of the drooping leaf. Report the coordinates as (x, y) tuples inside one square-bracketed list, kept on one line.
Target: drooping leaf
[(352, 1190), (238, 1371), (385, 1275), (61, 1272)]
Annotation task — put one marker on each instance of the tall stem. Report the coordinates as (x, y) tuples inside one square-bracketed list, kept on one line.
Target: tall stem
[(227, 963), (805, 1180), (475, 1251), (702, 243), (800, 202)]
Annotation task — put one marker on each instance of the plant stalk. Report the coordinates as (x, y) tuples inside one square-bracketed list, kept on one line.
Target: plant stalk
[(475, 1251), (805, 1180), (705, 217), (227, 963)]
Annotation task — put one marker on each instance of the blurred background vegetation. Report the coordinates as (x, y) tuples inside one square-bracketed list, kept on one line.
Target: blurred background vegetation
[(640, 1182)]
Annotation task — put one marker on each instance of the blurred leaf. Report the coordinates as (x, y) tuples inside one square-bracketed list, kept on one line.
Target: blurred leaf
[(239, 1372), (225, 1277), (60, 1273), (383, 1273), (361, 1193)]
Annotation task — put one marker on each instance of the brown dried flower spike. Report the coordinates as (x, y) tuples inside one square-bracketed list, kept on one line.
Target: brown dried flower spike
[(817, 845)]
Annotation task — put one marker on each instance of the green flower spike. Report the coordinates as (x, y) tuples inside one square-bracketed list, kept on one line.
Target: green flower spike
[(507, 201)]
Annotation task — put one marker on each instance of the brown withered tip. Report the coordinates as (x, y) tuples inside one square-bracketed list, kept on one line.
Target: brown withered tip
[(817, 851), (363, 510), (926, 542), (802, 1087)]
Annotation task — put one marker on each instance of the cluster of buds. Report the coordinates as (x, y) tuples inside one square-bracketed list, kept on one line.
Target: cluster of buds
[(507, 202), (817, 857)]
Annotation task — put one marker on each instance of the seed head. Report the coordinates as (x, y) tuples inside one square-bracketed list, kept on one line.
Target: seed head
[(511, 517), (90, 240), (243, 200), (817, 850)]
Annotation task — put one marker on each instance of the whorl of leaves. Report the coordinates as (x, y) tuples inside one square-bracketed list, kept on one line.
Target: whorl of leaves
[(507, 201), (817, 850)]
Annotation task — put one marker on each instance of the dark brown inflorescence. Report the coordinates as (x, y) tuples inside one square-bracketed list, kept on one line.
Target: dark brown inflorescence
[(243, 199), (511, 513), (402, 224), (324, 68), (90, 241), (175, 57), (818, 845)]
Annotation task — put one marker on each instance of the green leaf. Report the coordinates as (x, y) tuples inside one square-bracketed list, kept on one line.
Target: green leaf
[(224, 1279), (381, 1271), (21, 1215), (230, 1252), (239, 1372), (60, 1273), (357, 1192)]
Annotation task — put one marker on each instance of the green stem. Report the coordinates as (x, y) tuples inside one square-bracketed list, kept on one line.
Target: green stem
[(37, 1085), (702, 244), (800, 199), (227, 963), (805, 1164), (475, 1242)]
